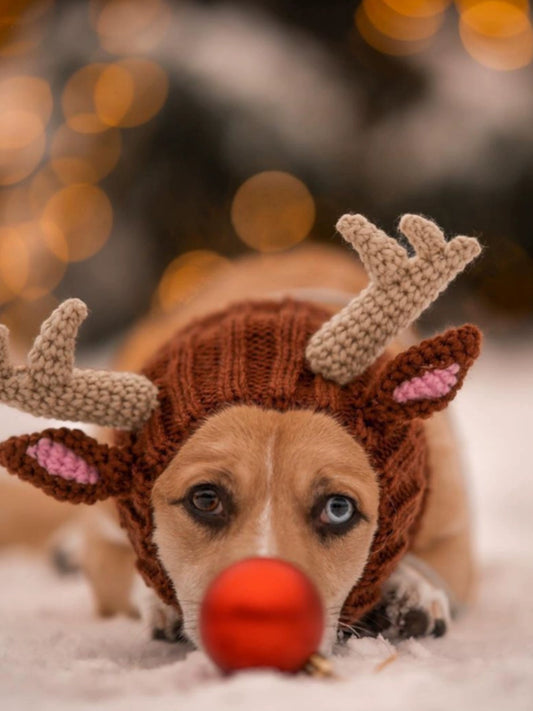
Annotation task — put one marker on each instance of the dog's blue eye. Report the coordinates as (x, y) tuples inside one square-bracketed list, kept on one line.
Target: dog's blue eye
[(338, 509)]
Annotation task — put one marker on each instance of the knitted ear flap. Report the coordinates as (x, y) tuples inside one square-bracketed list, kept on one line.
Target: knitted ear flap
[(424, 378), (68, 465)]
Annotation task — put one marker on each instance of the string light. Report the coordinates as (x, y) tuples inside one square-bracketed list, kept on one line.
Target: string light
[(272, 211), (76, 222)]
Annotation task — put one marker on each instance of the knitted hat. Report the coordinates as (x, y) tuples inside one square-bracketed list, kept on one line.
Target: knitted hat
[(281, 355), (254, 354)]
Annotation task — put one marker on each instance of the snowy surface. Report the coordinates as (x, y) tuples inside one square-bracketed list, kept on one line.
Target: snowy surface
[(55, 655)]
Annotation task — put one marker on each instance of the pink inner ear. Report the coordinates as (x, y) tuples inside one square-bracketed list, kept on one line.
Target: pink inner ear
[(58, 460), (434, 383)]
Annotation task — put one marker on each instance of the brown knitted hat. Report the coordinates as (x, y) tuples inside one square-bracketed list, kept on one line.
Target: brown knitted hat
[(254, 353), (281, 355)]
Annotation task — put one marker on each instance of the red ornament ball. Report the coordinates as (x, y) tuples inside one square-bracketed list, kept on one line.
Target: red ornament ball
[(261, 612)]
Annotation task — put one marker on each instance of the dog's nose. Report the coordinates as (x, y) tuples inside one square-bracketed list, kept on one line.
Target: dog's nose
[(261, 612)]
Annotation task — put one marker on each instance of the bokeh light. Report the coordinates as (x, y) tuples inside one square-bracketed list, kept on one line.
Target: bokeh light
[(40, 188), (272, 211), (399, 27), (22, 143), (24, 319), (498, 34), (130, 92), (20, 27), (84, 157), (185, 275), (77, 221), (129, 26), (28, 269), (26, 93), (25, 108), (14, 205), (78, 100)]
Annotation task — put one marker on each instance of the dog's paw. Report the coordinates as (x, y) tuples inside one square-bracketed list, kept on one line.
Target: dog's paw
[(168, 626), (162, 621), (411, 606)]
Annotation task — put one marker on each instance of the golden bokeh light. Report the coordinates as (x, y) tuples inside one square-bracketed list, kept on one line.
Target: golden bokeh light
[(77, 99), (41, 187), (26, 93), (465, 4), (18, 129), (28, 270), (77, 221), (497, 34), (384, 43), (25, 108), (14, 260), (24, 319), (272, 211), (185, 275), (129, 26), (418, 8), (20, 29), (14, 205), (84, 157), (392, 18), (130, 92), (22, 143)]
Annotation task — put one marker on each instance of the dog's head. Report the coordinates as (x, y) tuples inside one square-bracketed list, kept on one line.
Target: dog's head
[(263, 430)]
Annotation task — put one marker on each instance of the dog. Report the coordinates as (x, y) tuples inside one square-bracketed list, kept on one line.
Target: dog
[(284, 481)]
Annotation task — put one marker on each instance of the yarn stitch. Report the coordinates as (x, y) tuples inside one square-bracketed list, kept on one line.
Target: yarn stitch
[(58, 460), (50, 386), (434, 383), (399, 290)]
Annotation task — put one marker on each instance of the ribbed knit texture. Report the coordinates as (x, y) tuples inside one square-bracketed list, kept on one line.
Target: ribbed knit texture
[(254, 353)]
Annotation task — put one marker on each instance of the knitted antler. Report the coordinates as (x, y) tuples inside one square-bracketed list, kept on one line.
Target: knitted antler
[(51, 386), (400, 289)]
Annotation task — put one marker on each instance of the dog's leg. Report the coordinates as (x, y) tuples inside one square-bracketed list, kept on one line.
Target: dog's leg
[(413, 604)]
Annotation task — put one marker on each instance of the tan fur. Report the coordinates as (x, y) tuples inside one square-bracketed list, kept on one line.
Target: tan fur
[(28, 517), (299, 441), (275, 465)]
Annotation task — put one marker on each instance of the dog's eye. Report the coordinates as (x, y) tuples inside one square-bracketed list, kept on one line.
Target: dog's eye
[(335, 515), (207, 500), (209, 504), (338, 510)]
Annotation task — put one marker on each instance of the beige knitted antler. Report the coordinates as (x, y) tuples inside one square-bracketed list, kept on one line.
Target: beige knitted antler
[(400, 289), (50, 386)]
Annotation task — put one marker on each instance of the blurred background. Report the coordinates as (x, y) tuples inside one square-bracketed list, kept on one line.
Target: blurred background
[(145, 142)]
